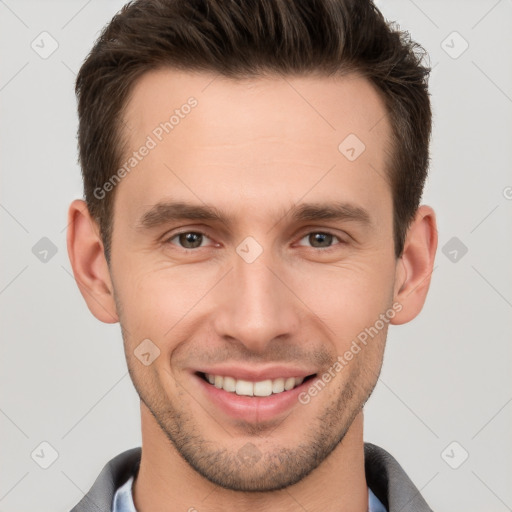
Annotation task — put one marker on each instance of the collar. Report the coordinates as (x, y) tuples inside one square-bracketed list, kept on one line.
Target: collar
[(384, 475)]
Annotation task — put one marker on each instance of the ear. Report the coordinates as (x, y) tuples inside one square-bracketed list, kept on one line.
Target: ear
[(415, 266), (90, 268)]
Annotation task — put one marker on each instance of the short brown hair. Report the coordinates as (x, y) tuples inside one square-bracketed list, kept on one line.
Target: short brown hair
[(241, 38)]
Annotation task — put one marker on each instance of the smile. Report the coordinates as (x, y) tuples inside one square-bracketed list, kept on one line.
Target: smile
[(242, 387), (253, 395)]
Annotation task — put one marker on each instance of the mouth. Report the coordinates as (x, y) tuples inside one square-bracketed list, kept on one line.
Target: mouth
[(261, 388), (257, 401)]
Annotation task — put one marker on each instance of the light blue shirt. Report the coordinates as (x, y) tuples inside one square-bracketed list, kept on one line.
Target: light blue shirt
[(123, 500)]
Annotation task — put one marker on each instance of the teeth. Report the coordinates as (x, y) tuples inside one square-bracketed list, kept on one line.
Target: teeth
[(229, 384), (263, 388), (244, 387), (278, 386), (248, 388), (289, 384)]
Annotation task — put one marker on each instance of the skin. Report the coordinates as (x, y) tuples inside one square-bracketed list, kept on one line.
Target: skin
[(253, 148)]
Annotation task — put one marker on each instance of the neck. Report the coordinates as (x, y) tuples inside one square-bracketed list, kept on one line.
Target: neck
[(166, 481)]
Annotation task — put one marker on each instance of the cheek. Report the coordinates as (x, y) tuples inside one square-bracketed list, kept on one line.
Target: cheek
[(160, 301), (347, 298), (156, 301)]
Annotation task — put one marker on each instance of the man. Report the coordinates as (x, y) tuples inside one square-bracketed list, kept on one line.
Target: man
[(252, 174)]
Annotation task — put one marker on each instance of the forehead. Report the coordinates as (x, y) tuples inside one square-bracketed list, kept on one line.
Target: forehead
[(237, 138), (328, 104)]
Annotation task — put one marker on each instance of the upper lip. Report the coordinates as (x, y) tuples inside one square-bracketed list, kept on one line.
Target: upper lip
[(256, 374)]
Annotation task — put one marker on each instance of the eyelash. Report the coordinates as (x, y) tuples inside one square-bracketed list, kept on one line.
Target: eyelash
[(323, 249)]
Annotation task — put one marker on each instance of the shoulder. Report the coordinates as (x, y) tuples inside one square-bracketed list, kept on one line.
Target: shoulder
[(114, 474), (390, 483)]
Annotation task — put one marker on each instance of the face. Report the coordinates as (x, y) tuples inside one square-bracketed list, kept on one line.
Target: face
[(251, 249)]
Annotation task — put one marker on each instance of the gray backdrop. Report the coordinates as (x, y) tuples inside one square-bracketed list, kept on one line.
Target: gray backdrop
[(443, 403)]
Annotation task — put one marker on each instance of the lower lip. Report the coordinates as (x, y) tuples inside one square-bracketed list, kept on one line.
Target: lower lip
[(254, 409)]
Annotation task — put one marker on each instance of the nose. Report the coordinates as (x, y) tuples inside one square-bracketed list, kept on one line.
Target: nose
[(256, 305)]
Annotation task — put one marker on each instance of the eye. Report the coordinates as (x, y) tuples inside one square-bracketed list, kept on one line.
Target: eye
[(196, 239), (321, 239), (188, 239)]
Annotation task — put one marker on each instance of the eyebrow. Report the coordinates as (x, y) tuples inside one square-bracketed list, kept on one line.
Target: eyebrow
[(167, 211)]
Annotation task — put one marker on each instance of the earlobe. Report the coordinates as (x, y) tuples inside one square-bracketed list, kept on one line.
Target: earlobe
[(415, 266), (85, 250)]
